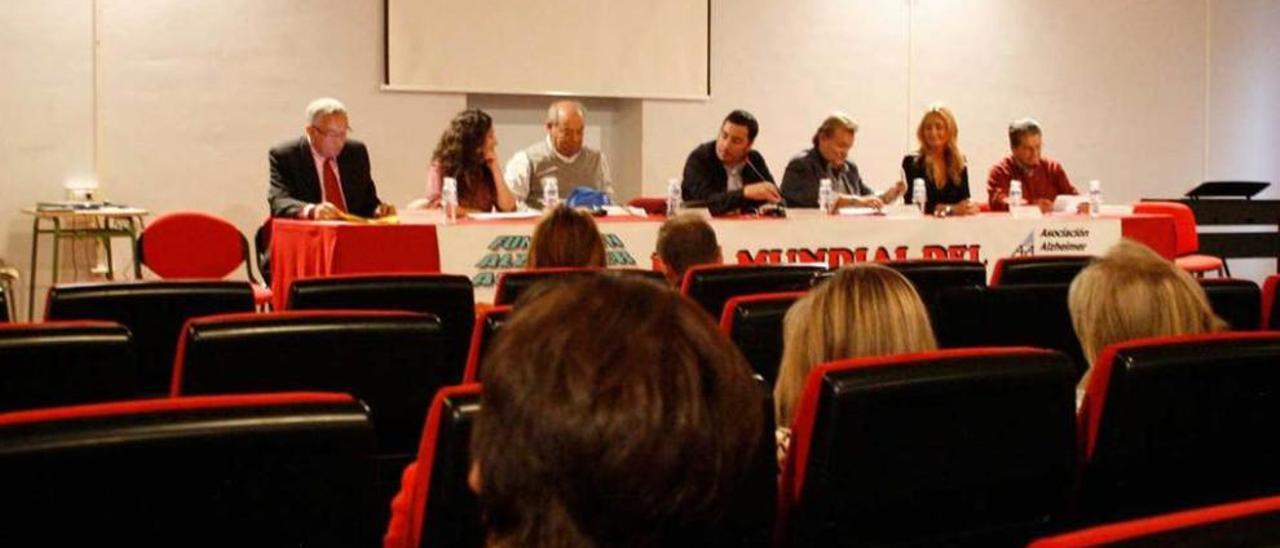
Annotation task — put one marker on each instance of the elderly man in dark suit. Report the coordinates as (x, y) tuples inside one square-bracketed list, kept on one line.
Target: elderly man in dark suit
[(323, 174)]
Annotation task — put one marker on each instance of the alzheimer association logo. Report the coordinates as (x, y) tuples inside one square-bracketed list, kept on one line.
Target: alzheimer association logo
[(511, 252), (1063, 239)]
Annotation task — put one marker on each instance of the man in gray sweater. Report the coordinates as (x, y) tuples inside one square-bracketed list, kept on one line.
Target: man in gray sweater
[(560, 155)]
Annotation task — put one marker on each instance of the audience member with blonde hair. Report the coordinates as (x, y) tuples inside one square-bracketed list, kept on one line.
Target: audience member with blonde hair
[(1133, 293), (864, 310), (566, 237), (940, 164)]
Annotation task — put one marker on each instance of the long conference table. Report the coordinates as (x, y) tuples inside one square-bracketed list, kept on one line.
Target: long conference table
[(483, 249)]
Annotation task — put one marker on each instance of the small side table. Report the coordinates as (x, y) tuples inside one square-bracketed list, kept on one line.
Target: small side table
[(102, 224)]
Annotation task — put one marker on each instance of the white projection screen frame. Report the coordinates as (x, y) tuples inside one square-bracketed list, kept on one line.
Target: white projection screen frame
[(653, 49)]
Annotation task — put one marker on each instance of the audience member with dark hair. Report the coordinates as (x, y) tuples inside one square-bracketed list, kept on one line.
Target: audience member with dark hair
[(863, 310), (566, 237), (468, 152), (725, 175), (633, 426), (685, 241), (1133, 293)]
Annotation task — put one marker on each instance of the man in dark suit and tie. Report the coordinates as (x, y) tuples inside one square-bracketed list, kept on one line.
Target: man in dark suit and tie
[(323, 174)]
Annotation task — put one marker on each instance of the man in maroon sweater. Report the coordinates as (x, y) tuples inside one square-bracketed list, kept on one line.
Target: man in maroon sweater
[(1042, 179)]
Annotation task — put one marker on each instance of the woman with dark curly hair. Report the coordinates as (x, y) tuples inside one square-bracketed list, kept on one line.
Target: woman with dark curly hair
[(468, 152)]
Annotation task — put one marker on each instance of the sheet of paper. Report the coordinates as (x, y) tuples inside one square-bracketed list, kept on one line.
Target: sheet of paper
[(498, 215)]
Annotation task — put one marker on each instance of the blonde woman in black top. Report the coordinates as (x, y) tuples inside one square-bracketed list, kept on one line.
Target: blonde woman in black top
[(941, 164)]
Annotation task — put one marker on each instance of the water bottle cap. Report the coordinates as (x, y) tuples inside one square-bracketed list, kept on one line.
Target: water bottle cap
[(824, 182), (1094, 185), (1015, 185), (918, 181), (549, 182)]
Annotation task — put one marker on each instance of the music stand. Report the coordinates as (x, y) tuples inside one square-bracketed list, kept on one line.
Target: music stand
[(1227, 189)]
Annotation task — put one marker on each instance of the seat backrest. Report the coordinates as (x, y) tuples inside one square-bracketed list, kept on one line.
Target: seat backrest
[(935, 448), (1271, 302), (390, 360), (280, 469), (154, 312), (191, 244), (65, 363), (713, 285), (1043, 269), (754, 323), (1179, 422), (443, 511), (1237, 302), (513, 284), (1247, 523), (487, 325), (932, 277), (1009, 315), (449, 297), (1184, 223)]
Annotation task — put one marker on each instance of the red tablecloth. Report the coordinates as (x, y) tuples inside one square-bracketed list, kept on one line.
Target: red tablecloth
[(310, 249)]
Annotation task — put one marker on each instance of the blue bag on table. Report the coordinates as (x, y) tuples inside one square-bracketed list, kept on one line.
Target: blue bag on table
[(585, 196)]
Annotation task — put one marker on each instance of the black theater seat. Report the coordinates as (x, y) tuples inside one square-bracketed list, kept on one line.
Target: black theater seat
[(1044, 269), (932, 277), (713, 285), (1238, 302), (1010, 315), (449, 297), (513, 284), (486, 328), (952, 447), (450, 511), (262, 470), (754, 323), (154, 312), (390, 360), (1181, 422), (64, 363)]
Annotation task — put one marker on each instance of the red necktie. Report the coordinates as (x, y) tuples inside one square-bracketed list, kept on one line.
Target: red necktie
[(333, 192)]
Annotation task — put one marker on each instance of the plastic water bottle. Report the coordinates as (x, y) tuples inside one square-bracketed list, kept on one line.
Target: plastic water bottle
[(674, 197), (918, 196), (1095, 198), (449, 199), (550, 192), (1015, 193), (826, 200)]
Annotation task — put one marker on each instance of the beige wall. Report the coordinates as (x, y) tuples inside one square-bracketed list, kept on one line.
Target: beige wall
[(178, 103)]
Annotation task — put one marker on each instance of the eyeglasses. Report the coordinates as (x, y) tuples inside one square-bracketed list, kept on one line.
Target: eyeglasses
[(333, 134)]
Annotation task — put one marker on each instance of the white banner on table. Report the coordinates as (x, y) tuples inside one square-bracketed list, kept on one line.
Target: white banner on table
[(482, 250)]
